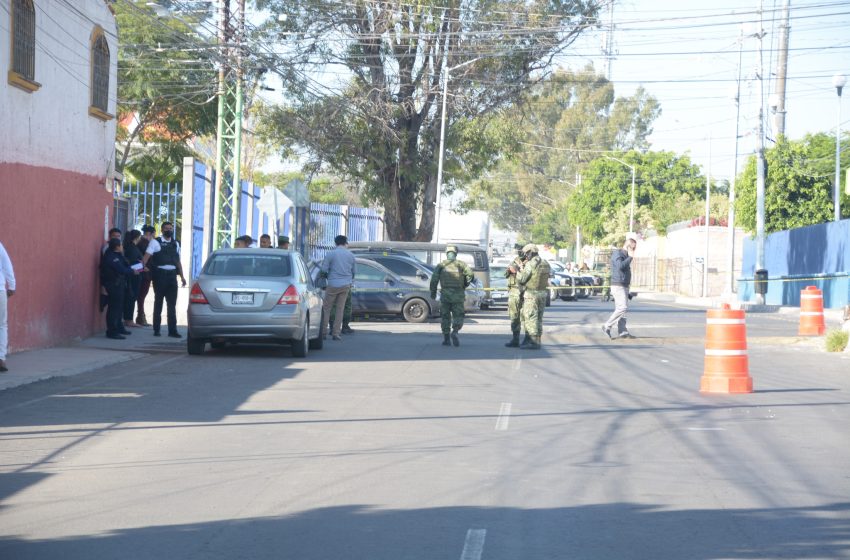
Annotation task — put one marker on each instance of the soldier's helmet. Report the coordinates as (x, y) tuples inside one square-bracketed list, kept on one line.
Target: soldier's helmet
[(451, 249), (530, 249)]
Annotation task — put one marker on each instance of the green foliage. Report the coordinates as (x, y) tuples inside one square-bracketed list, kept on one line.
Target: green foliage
[(668, 189), (167, 83), (836, 340), (378, 126), (797, 190), (575, 111)]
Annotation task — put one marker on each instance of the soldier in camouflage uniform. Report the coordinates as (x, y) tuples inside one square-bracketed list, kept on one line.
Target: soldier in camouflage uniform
[(515, 297), (453, 276), (535, 279)]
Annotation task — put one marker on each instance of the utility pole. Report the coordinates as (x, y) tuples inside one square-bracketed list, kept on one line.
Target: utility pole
[(760, 160), (779, 117), (707, 222), (228, 187), (730, 281), (608, 43)]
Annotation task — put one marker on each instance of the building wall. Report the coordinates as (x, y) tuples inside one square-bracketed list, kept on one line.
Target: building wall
[(56, 167)]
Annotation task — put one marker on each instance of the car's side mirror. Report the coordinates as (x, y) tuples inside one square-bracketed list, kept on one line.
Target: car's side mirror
[(389, 279), (421, 275)]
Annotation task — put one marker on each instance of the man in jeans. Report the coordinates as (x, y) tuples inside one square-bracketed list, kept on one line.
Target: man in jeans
[(621, 277), (338, 268)]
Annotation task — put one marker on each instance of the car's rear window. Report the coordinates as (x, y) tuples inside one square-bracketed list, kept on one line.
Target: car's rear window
[(249, 265)]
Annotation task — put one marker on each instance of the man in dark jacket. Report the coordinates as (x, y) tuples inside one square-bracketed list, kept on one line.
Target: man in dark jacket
[(114, 272), (621, 278)]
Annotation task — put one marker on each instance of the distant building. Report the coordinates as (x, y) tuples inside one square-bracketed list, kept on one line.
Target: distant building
[(57, 107)]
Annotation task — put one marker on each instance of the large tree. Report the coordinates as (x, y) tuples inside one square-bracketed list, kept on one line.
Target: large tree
[(364, 82), (668, 187), (166, 89), (798, 185), (556, 128)]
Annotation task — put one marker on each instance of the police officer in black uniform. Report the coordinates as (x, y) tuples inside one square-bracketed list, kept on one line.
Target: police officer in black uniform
[(163, 259), (114, 272)]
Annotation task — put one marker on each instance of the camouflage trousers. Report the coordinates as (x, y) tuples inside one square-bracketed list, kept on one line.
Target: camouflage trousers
[(515, 310), (451, 316), (346, 313), (533, 304)]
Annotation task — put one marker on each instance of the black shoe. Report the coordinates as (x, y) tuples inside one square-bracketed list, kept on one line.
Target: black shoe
[(347, 330), (446, 341), (116, 337), (607, 331), (514, 343), (336, 337), (124, 332), (455, 339), (175, 335), (156, 333)]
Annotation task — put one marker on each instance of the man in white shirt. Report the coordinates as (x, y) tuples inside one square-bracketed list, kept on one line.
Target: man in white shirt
[(7, 289), (162, 257)]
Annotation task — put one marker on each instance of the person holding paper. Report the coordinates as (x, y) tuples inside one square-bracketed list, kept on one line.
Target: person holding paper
[(134, 259)]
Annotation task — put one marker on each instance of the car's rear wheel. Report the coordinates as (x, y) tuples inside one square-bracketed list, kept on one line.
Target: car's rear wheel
[(415, 310), (195, 346), (318, 342), (300, 347)]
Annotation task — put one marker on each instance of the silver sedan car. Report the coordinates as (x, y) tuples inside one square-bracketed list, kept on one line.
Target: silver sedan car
[(255, 295)]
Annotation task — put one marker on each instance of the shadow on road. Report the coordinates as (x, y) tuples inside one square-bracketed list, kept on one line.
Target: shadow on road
[(359, 532)]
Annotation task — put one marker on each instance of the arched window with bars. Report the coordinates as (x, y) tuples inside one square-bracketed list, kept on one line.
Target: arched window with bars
[(22, 68), (99, 75)]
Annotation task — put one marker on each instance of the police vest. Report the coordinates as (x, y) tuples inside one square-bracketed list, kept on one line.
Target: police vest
[(167, 254)]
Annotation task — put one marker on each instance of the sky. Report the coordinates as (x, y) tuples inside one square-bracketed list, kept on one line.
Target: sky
[(687, 57), (685, 53)]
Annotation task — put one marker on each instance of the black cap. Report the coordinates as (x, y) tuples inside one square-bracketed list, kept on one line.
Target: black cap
[(148, 229)]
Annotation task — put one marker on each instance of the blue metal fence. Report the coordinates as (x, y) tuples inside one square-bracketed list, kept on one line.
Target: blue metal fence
[(155, 202)]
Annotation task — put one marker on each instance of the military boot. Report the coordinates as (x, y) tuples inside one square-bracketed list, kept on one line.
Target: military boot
[(525, 340), (455, 339), (446, 341), (533, 343), (514, 343)]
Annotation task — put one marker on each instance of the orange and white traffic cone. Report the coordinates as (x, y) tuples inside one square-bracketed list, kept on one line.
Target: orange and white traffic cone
[(726, 362), (811, 312)]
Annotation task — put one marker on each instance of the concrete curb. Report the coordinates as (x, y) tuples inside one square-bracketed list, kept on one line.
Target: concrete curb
[(37, 365)]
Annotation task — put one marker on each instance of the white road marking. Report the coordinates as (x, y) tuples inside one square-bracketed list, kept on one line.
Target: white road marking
[(504, 417), (517, 364), (707, 429), (100, 395), (473, 546)]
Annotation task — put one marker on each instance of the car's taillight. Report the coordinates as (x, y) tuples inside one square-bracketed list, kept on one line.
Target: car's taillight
[(197, 295), (289, 296)]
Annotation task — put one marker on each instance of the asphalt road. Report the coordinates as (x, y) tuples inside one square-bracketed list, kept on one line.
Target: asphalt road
[(389, 446)]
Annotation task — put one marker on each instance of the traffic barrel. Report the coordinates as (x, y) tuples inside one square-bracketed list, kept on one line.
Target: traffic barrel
[(727, 367), (811, 312)]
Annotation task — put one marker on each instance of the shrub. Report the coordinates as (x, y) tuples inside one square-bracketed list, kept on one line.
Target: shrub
[(836, 340)]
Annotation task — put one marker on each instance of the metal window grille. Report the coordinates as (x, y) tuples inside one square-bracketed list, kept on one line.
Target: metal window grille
[(100, 74), (23, 38)]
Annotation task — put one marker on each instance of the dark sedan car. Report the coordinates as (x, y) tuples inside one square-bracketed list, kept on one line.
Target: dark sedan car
[(379, 291)]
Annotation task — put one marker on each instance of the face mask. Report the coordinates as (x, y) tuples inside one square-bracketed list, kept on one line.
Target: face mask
[(167, 234), (451, 256)]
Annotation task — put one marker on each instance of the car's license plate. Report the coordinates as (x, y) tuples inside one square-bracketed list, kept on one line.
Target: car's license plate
[(243, 299)]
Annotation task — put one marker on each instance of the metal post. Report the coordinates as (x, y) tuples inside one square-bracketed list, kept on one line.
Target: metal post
[(707, 222), (440, 157), (782, 71), (760, 161), (632, 208), (730, 283), (838, 81)]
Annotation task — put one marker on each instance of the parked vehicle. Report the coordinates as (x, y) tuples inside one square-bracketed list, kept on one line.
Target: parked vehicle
[(415, 271), (379, 291), (254, 295), (432, 254)]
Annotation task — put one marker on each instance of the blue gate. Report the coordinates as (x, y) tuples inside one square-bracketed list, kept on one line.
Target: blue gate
[(155, 202)]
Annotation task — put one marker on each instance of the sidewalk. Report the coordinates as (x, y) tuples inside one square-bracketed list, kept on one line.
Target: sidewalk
[(94, 352), (832, 317)]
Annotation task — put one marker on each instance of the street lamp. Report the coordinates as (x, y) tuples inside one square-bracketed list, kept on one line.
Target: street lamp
[(838, 82), (442, 147), (632, 207)]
